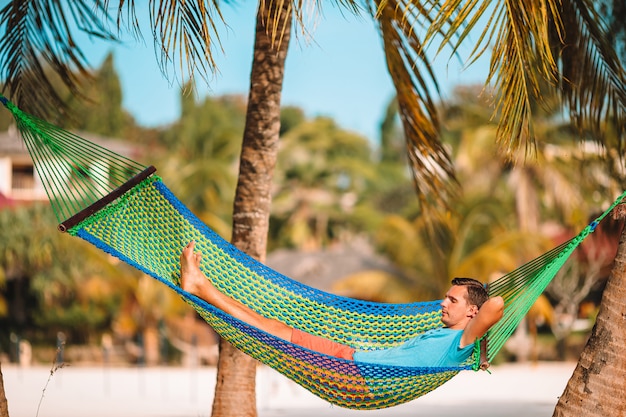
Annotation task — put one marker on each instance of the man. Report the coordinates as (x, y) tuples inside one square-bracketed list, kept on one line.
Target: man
[(467, 313)]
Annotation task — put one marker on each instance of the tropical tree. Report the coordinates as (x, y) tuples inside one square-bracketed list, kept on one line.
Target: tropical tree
[(322, 172), (53, 289), (483, 238), (476, 230), (563, 43), (202, 147), (20, 258), (103, 113), (142, 314), (391, 193), (566, 184)]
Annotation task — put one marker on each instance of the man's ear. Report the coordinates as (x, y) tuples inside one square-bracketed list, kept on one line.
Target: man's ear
[(473, 310)]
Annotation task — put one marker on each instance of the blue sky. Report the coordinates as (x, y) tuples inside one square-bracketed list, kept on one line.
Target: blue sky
[(340, 73)]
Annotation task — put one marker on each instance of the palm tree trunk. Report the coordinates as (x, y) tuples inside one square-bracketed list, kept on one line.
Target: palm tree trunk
[(599, 381), (4, 405), (235, 389)]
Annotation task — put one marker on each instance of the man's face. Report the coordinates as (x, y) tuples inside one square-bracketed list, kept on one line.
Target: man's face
[(456, 312)]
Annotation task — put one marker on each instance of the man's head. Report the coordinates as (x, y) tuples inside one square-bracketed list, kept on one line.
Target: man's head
[(476, 291), (462, 302)]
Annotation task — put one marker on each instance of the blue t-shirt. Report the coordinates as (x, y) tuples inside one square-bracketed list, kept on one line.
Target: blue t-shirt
[(434, 348)]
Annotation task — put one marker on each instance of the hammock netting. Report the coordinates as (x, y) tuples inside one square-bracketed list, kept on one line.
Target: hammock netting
[(126, 210)]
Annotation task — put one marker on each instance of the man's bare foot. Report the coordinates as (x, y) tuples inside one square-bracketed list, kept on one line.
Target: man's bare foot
[(192, 279), (195, 282)]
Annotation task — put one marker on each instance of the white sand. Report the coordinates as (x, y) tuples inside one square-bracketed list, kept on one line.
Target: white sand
[(510, 390)]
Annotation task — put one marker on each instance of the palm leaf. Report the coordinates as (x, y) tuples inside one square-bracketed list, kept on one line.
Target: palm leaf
[(40, 35), (413, 77), (185, 34), (538, 43), (593, 81)]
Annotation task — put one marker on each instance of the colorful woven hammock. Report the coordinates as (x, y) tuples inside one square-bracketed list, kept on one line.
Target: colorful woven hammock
[(125, 210)]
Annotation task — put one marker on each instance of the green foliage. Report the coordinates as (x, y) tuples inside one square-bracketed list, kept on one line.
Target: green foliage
[(52, 277), (201, 154), (211, 129), (42, 35), (392, 143), (290, 117), (101, 113), (99, 109), (567, 47), (322, 174), (21, 228), (495, 225)]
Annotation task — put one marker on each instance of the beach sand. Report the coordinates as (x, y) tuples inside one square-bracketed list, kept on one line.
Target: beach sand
[(511, 390)]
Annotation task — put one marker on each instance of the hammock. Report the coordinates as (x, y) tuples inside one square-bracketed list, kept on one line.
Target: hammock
[(124, 209)]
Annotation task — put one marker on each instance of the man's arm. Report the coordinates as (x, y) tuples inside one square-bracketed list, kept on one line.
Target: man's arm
[(488, 315)]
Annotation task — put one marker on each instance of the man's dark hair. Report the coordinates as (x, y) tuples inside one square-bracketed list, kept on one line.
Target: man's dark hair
[(476, 291)]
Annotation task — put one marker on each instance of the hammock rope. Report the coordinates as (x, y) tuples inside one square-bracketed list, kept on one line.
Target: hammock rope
[(124, 209)]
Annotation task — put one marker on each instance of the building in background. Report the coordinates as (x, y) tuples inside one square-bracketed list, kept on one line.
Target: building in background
[(19, 182)]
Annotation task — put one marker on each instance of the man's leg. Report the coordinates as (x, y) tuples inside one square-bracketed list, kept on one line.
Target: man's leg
[(322, 345), (195, 282)]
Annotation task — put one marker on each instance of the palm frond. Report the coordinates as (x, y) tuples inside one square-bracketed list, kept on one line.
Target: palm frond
[(185, 34), (413, 77), (40, 35), (521, 64), (276, 17), (593, 80), (127, 18), (539, 43)]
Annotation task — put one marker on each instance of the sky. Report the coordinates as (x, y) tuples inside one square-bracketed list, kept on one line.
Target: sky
[(340, 73)]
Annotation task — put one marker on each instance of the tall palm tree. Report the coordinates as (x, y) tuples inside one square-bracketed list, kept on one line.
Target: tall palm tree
[(562, 42)]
